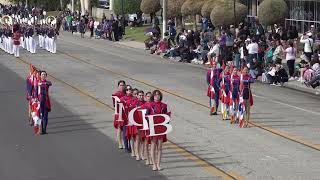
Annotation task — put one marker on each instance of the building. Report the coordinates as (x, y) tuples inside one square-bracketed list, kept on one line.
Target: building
[(302, 13)]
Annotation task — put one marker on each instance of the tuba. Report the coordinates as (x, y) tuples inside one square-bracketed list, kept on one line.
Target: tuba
[(6, 20)]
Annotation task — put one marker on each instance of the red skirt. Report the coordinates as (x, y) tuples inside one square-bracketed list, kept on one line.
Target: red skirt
[(143, 135), (131, 131), (117, 123), (160, 137)]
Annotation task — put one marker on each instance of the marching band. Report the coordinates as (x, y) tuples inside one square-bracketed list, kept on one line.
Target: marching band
[(232, 91), (16, 32)]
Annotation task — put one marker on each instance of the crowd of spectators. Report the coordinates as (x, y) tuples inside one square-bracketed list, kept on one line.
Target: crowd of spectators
[(275, 56), (110, 29)]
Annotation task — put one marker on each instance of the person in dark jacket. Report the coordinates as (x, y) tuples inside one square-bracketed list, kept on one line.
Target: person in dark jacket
[(281, 75)]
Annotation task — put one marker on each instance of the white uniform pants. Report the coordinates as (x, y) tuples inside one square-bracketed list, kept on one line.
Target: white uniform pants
[(1, 43), (10, 45), (21, 42), (46, 43), (32, 45), (27, 43), (6, 45), (41, 41), (16, 49), (52, 46)]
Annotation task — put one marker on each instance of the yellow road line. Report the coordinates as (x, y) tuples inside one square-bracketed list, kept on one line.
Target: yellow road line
[(288, 136), (268, 129), (202, 163)]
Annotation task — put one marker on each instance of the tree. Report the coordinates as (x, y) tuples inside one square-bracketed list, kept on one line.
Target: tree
[(130, 6), (224, 13), (192, 7), (150, 6), (174, 8), (272, 12), (208, 6)]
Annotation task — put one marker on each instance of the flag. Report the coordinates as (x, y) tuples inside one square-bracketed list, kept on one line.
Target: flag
[(212, 101), (241, 113), (242, 108)]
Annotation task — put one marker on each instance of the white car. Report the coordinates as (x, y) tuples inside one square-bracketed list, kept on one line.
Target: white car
[(104, 4)]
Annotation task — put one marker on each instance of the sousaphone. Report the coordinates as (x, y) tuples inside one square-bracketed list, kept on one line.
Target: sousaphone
[(6, 20), (51, 20)]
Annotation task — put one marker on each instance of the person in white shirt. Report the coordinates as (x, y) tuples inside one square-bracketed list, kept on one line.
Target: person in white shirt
[(214, 52), (291, 58), (308, 44), (253, 49)]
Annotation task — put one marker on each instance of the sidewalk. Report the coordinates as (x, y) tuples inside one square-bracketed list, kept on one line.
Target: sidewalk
[(291, 84)]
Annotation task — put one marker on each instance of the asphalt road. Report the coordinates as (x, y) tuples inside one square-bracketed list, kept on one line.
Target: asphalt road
[(90, 69), (82, 153)]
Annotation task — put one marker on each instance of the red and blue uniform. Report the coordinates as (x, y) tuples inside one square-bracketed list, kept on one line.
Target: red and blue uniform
[(225, 88), (213, 80), (245, 88), (45, 105), (234, 88)]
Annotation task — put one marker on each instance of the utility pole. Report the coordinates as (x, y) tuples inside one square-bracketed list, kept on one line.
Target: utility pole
[(72, 6), (123, 18), (164, 17), (234, 13), (111, 5)]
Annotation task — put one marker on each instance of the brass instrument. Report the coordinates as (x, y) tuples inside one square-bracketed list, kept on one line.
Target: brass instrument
[(7, 20)]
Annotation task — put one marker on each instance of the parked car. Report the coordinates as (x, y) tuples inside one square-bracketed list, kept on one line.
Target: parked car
[(104, 4)]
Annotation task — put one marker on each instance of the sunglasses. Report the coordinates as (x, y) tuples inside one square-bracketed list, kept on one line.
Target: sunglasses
[(129, 89)]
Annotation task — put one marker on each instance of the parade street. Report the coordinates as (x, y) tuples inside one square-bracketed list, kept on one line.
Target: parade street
[(282, 141)]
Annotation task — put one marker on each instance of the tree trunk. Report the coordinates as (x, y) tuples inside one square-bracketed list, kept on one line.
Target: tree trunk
[(89, 8), (151, 17), (194, 22), (61, 5), (180, 22), (82, 7)]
